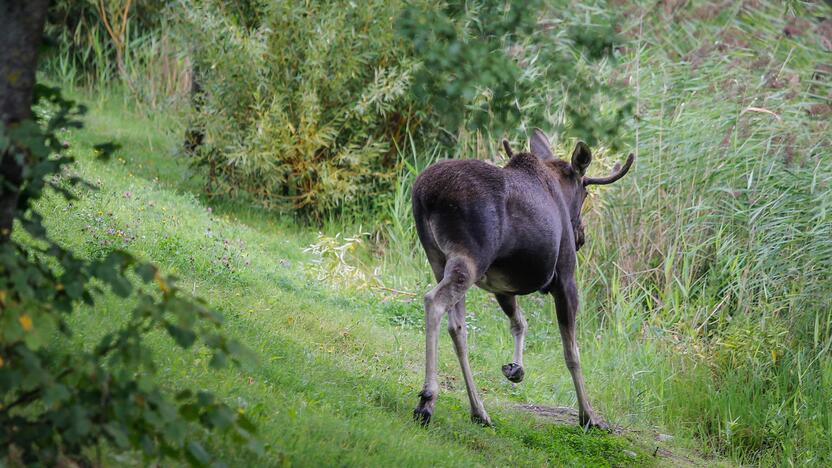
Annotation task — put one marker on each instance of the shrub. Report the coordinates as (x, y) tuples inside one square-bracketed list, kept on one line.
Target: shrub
[(303, 110), (723, 233), (493, 65)]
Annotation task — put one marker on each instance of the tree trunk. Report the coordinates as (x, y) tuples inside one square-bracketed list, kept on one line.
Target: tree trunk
[(21, 30), (194, 134)]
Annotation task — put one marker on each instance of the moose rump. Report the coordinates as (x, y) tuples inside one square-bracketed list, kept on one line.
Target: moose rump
[(470, 209)]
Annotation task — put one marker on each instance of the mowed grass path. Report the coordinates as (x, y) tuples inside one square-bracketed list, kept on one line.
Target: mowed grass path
[(336, 379)]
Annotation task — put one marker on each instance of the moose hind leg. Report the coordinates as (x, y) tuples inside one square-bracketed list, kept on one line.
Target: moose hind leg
[(514, 371), (566, 303), (459, 335), (457, 278)]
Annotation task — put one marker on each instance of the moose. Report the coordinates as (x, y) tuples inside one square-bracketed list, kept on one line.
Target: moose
[(511, 231)]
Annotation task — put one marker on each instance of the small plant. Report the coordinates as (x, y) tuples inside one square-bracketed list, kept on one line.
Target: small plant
[(337, 265)]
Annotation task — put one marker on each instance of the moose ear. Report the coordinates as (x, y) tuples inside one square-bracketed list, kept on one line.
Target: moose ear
[(581, 157), (539, 145)]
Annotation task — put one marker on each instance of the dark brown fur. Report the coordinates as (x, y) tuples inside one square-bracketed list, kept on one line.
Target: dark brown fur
[(471, 207), (511, 231)]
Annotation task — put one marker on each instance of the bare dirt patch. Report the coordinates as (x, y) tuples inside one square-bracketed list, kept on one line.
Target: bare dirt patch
[(824, 30), (796, 27), (819, 110)]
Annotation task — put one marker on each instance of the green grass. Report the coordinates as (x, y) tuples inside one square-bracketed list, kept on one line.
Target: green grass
[(339, 370)]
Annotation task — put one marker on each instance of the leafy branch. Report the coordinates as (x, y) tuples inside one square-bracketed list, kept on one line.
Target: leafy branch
[(57, 403)]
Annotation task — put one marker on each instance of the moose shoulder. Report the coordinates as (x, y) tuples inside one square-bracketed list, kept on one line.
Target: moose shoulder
[(511, 231)]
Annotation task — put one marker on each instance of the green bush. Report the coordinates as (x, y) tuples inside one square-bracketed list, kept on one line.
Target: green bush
[(494, 66), (303, 110), (722, 231)]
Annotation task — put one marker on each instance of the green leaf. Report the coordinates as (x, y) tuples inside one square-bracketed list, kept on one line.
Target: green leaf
[(80, 424), (74, 289), (55, 395), (183, 337), (205, 398), (218, 360), (221, 417), (148, 444), (146, 271), (197, 455), (28, 134), (189, 411), (175, 432), (116, 432), (256, 446), (5, 141), (244, 422)]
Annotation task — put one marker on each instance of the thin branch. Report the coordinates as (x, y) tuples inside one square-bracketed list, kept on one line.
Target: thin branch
[(105, 19), (396, 291), (124, 17)]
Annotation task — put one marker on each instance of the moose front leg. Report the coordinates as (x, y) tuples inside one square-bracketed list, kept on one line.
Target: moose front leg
[(514, 370), (566, 302)]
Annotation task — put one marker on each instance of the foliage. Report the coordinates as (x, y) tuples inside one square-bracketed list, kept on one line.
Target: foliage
[(56, 404), (715, 249), (131, 48), (79, 31), (494, 65), (301, 110), (305, 105), (722, 234), (705, 278)]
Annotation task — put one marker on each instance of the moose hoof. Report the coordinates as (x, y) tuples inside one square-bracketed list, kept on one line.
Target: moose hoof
[(514, 372), (594, 421), (424, 410), (422, 415), (481, 419)]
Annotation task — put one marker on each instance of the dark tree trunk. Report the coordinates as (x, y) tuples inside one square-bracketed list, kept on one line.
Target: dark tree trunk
[(21, 30), (194, 134)]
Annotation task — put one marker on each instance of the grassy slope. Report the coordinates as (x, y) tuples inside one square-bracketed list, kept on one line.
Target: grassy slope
[(337, 379)]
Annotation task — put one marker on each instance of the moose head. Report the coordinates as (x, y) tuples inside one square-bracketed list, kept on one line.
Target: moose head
[(571, 176)]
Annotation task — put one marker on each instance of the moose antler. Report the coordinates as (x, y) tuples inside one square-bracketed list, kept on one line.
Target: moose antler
[(507, 148), (617, 173)]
